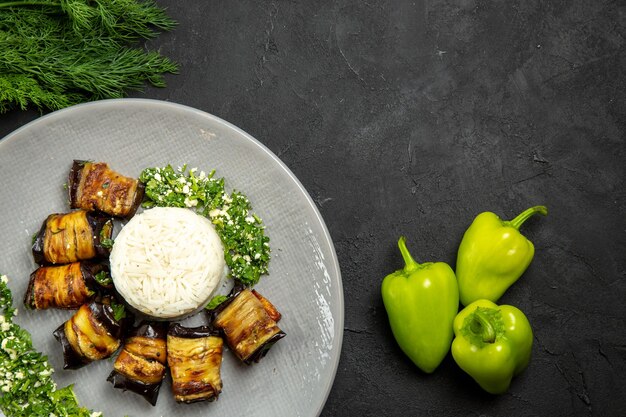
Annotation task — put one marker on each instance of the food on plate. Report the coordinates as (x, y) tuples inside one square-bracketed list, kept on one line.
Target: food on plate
[(248, 328), (247, 249), (270, 309), (492, 344), (94, 186), (194, 356), (94, 332), (27, 387), (493, 255), (70, 237), (421, 302), (167, 262), (65, 286), (140, 366)]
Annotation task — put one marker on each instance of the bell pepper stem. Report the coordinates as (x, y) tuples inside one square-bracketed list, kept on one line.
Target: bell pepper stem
[(482, 326), (526, 214), (410, 263)]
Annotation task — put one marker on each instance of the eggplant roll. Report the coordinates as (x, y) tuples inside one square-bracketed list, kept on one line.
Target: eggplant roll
[(71, 237), (64, 286), (91, 334), (249, 330), (194, 356), (94, 186), (140, 366)]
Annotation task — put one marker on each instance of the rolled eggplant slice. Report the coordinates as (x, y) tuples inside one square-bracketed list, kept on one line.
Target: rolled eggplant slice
[(194, 356), (94, 186), (140, 366), (269, 307), (65, 286), (91, 334), (249, 330), (74, 236)]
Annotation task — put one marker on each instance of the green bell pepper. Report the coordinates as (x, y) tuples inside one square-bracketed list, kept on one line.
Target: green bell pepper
[(421, 301), (492, 344), (493, 255)]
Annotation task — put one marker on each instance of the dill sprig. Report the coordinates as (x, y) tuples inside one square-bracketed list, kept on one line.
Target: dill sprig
[(54, 54)]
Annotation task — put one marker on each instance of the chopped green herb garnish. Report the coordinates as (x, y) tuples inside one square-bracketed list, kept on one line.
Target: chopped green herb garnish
[(119, 312), (216, 301), (103, 278), (105, 241), (105, 185), (26, 385), (246, 247), (33, 238)]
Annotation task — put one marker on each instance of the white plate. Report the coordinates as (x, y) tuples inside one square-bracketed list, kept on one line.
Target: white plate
[(294, 379)]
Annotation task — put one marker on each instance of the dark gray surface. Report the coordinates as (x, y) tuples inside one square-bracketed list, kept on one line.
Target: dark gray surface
[(413, 117)]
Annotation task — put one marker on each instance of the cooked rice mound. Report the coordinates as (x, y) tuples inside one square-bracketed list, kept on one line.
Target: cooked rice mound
[(167, 262)]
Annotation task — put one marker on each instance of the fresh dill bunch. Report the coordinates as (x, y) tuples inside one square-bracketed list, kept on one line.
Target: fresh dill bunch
[(56, 53)]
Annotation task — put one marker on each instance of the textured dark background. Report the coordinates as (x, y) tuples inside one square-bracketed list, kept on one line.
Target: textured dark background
[(411, 118)]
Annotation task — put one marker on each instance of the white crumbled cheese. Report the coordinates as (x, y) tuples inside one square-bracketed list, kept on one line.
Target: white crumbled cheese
[(157, 176), (193, 170), (257, 256), (186, 189), (249, 219), (182, 180), (96, 414), (214, 213), (202, 175), (5, 326), (19, 375), (247, 258), (4, 279)]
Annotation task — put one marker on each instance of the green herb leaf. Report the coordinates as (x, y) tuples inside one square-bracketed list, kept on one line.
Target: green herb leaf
[(216, 301), (105, 241), (119, 311), (103, 278)]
